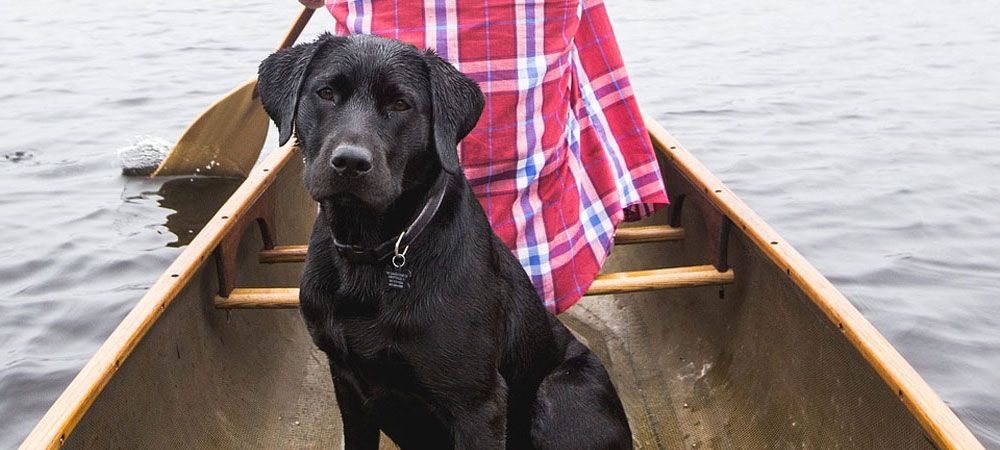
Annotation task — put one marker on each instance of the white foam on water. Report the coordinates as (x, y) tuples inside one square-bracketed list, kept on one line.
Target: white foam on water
[(144, 155)]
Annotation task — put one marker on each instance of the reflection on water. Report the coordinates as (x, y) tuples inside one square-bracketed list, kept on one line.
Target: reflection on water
[(194, 201)]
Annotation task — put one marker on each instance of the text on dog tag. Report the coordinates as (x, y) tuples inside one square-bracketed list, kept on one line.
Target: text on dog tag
[(397, 278)]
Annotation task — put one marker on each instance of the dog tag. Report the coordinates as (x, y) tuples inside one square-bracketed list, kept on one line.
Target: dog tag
[(398, 278)]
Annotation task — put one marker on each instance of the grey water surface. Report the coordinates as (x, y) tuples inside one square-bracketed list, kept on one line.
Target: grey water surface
[(867, 133)]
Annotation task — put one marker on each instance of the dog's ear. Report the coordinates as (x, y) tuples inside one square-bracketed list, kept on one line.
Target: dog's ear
[(458, 102), (279, 82)]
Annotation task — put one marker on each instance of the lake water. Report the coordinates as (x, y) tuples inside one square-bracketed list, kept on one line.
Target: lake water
[(867, 133)]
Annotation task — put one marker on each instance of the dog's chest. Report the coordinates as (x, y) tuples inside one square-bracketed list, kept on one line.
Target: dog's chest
[(370, 332), (378, 332)]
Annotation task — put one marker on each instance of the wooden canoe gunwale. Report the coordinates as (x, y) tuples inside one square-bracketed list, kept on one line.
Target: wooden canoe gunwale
[(938, 421), (66, 412), (935, 417)]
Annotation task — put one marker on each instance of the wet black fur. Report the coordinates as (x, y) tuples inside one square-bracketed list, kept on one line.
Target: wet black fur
[(467, 356)]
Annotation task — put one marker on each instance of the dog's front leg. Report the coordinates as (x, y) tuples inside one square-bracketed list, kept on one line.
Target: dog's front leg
[(482, 423), (360, 430)]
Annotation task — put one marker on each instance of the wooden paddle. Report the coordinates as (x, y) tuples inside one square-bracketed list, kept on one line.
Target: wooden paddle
[(226, 139)]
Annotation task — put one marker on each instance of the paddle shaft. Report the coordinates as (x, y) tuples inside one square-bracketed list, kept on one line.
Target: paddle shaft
[(293, 33), (297, 27), (227, 137)]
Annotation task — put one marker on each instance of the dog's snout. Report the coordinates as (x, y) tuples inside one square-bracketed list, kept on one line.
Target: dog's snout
[(351, 161)]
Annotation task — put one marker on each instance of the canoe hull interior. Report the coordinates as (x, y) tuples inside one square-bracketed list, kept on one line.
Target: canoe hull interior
[(751, 365), (754, 364), (204, 377)]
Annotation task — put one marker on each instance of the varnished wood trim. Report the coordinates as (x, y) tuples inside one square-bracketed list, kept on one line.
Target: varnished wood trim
[(611, 283), (937, 419), (67, 410), (296, 29), (656, 279), (259, 298), (284, 254), (645, 234), (624, 236)]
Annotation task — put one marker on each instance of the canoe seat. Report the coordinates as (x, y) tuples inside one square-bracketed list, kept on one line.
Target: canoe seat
[(609, 283), (624, 236)]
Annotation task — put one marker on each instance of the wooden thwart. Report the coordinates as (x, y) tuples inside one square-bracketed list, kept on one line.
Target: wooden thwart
[(624, 236), (652, 233), (284, 254), (259, 298), (651, 280), (611, 283)]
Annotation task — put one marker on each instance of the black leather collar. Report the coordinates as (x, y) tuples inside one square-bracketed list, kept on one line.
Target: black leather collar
[(398, 245)]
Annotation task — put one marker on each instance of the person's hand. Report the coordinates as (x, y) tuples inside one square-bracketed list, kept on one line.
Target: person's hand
[(313, 4)]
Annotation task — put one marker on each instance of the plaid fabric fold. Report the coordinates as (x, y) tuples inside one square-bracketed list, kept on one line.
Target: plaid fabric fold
[(560, 156)]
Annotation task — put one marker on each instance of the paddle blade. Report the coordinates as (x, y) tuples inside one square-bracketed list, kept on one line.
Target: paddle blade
[(225, 140)]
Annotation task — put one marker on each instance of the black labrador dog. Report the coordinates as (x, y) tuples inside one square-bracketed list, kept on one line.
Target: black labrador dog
[(432, 329)]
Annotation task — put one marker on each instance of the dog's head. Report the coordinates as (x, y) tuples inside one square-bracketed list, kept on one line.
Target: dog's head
[(373, 116)]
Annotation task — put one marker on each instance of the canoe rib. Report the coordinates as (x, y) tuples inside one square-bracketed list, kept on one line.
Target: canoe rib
[(611, 283), (624, 236)]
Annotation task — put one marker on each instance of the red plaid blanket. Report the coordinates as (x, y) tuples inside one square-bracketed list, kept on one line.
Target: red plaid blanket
[(560, 156)]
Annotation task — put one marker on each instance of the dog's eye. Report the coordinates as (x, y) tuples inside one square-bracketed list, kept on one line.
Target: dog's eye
[(400, 105), (326, 94)]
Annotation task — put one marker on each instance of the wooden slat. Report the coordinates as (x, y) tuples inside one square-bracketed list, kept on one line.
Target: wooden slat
[(610, 283), (937, 419), (259, 298), (284, 254), (652, 233), (624, 236), (650, 280)]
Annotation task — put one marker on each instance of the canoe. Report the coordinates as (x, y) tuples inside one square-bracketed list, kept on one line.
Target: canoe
[(716, 332)]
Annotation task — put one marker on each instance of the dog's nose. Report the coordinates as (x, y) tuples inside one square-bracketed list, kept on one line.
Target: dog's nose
[(351, 161)]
